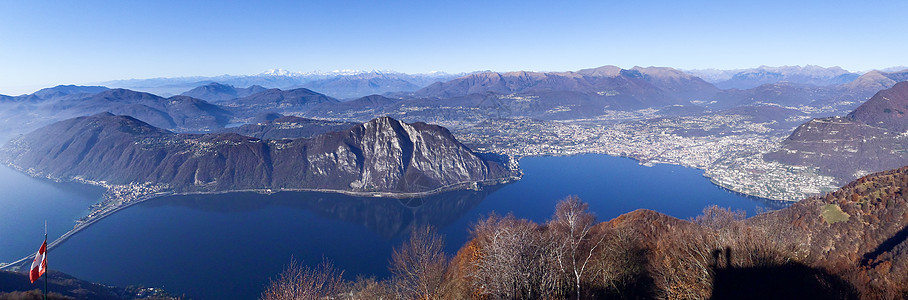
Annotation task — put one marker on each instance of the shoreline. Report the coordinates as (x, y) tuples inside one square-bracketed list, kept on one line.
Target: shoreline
[(651, 163), (16, 266), (472, 185)]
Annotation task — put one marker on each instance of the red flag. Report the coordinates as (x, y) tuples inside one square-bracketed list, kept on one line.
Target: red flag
[(39, 266)]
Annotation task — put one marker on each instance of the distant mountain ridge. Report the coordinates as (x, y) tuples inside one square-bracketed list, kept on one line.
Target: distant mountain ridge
[(383, 155), (289, 127), (750, 78), (340, 84), (587, 93), (887, 109), (56, 92), (215, 92), (656, 85), (835, 99), (28, 112), (178, 112), (869, 139), (878, 80), (280, 101)]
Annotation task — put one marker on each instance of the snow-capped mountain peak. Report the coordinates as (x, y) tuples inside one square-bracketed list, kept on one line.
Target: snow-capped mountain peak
[(279, 72)]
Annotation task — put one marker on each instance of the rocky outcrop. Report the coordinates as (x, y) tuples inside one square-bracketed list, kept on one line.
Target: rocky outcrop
[(380, 156)]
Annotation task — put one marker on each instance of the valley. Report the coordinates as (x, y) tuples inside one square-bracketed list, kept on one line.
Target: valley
[(277, 141), (484, 150), (653, 115)]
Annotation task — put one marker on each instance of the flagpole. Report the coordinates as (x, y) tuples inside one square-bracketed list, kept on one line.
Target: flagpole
[(45, 261)]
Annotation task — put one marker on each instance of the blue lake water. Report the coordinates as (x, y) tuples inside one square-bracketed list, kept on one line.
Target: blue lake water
[(229, 246), (26, 202)]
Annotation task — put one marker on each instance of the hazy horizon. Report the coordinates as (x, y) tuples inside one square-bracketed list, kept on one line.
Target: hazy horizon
[(46, 44), (17, 91)]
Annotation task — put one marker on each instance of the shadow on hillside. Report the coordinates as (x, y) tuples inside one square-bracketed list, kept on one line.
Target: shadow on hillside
[(788, 281), (636, 282), (885, 246)]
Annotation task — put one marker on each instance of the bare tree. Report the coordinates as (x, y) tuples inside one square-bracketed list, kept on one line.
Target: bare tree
[(302, 282), (367, 288), (419, 266), (575, 240), (619, 263), (512, 259), (717, 218)]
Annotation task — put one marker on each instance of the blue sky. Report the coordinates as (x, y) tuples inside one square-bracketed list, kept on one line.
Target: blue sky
[(45, 43)]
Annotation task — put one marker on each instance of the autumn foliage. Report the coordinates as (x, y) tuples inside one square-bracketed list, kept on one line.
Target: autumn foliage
[(792, 253)]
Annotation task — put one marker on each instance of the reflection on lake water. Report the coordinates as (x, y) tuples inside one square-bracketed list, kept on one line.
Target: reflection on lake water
[(228, 246)]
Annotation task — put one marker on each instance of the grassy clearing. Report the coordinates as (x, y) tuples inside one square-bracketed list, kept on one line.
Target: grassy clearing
[(832, 214)]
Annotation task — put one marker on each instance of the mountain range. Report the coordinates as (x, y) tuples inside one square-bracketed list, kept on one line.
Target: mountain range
[(869, 139), (649, 85), (24, 113), (278, 101), (338, 84), (754, 77), (586, 93), (350, 84), (383, 155), (215, 92)]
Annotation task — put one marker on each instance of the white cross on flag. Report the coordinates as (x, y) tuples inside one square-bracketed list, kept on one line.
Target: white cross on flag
[(39, 266)]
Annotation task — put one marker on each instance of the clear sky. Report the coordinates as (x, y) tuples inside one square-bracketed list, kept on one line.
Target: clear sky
[(45, 43)]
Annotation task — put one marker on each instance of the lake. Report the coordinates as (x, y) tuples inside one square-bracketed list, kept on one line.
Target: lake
[(229, 246), (26, 202)]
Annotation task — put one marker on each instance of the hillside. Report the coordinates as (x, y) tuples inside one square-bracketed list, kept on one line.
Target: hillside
[(368, 106), (179, 113), (847, 244), (869, 139), (59, 92), (650, 87), (15, 286), (886, 109), (382, 155), (878, 80), (215, 92), (785, 94), (279, 101), (61, 286), (288, 127), (807, 75), (858, 233)]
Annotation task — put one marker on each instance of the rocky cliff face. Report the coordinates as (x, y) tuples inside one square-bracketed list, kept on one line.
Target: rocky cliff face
[(382, 155)]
